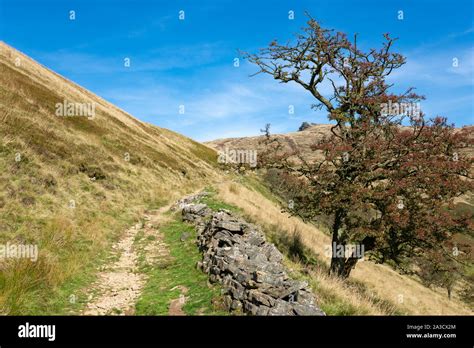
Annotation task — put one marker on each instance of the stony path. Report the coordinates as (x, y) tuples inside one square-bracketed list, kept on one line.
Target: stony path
[(119, 285)]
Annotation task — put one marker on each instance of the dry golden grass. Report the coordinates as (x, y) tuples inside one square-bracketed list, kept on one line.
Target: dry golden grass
[(407, 294)]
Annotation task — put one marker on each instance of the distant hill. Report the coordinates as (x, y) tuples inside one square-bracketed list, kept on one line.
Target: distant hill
[(300, 141)]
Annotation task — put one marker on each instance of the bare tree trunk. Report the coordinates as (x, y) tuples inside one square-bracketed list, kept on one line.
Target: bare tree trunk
[(337, 262), (337, 266), (340, 265), (349, 265)]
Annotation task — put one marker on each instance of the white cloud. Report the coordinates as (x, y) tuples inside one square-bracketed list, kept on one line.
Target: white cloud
[(158, 60), (437, 68)]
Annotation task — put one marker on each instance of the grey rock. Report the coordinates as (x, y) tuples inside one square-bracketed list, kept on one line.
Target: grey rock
[(233, 226), (228, 301), (263, 310), (259, 297), (250, 308), (300, 309), (281, 308), (184, 236), (236, 305)]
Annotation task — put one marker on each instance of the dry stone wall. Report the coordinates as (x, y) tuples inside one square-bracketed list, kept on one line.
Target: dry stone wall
[(250, 269)]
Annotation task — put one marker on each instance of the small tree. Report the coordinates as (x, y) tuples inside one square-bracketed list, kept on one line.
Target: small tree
[(442, 269), (385, 186)]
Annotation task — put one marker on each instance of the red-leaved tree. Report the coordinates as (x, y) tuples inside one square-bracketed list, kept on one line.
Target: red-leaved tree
[(387, 176)]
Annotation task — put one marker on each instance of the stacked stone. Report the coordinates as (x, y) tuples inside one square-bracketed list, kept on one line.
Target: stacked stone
[(236, 254), (182, 203)]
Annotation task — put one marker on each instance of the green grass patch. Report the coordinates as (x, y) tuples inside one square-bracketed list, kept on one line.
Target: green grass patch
[(213, 203), (179, 269)]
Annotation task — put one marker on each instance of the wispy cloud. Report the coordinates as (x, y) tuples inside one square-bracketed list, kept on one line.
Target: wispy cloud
[(438, 68), (162, 59), (239, 106)]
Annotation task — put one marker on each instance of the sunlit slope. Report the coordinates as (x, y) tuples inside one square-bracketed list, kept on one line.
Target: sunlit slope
[(70, 184)]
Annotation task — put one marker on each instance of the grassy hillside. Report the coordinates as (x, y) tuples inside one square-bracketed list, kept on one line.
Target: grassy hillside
[(71, 184)]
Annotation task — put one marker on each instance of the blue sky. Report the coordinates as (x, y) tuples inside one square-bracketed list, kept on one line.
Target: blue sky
[(190, 62)]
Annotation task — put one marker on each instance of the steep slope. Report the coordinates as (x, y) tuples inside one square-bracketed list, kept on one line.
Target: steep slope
[(69, 184)]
